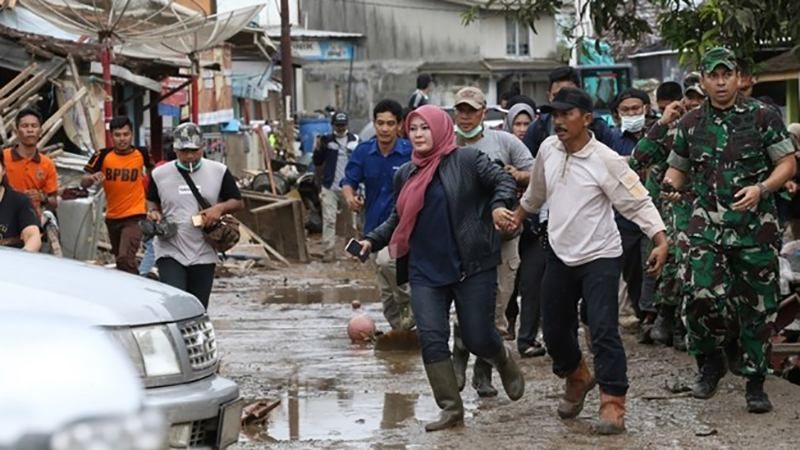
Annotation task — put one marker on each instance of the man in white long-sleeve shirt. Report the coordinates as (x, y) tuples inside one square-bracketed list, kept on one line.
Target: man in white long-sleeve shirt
[(582, 180)]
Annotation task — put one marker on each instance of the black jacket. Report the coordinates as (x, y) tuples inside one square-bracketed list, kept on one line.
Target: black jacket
[(326, 156), (474, 187)]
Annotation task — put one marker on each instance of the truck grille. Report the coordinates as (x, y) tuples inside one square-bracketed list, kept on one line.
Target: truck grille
[(201, 343)]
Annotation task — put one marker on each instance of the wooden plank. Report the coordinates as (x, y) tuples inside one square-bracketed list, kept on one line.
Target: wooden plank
[(84, 103), (300, 231), (276, 205), (64, 109), (267, 157), (51, 132), (262, 196), (32, 84), (30, 87), (17, 80), (267, 247)]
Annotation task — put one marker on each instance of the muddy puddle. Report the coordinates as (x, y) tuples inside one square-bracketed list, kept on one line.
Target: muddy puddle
[(335, 395), (320, 293), (317, 416)]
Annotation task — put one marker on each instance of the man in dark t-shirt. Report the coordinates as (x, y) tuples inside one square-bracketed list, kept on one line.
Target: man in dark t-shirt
[(19, 225)]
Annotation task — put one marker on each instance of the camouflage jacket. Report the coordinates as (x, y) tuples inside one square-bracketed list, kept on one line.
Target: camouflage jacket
[(650, 157), (723, 152)]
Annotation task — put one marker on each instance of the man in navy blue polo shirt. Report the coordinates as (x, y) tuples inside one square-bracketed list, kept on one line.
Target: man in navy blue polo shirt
[(374, 164)]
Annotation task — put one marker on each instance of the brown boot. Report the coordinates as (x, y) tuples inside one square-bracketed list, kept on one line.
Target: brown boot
[(612, 414), (578, 384)]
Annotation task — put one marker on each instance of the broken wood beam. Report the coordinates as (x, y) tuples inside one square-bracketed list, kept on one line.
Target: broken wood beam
[(267, 247), (64, 109), (28, 87), (54, 127), (17, 80), (276, 205), (263, 196), (85, 108)]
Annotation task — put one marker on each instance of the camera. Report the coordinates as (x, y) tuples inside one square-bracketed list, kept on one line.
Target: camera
[(163, 229)]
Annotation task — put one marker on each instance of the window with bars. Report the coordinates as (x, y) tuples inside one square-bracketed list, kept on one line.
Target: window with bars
[(517, 38)]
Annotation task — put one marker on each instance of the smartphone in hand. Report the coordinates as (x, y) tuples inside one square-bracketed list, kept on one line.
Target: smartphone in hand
[(354, 248)]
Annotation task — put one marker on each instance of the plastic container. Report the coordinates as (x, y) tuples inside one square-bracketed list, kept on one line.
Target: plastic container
[(310, 128)]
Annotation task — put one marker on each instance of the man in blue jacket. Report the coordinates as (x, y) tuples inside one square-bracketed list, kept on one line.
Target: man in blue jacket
[(563, 77), (374, 164), (330, 157)]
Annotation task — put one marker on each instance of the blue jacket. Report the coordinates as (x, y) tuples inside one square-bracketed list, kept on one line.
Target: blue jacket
[(368, 166), (326, 155)]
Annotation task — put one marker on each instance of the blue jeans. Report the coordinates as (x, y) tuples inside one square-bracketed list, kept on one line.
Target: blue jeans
[(596, 282), (475, 304), (149, 259)]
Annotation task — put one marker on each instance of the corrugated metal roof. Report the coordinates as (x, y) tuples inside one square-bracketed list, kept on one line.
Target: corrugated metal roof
[(275, 33)]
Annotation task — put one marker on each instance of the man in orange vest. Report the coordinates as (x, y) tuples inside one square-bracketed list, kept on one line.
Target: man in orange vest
[(28, 171), (120, 169)]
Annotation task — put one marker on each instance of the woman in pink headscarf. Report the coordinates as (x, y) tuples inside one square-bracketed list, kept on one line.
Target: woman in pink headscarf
[(450, 202)]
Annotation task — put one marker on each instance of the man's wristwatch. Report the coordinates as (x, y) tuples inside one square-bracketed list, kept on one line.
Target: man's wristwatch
[(764, 190)]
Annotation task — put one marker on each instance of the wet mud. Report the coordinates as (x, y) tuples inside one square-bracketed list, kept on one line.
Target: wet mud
[(282, 335)]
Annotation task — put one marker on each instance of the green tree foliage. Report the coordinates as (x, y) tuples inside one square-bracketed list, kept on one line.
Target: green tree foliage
[(691, 26)]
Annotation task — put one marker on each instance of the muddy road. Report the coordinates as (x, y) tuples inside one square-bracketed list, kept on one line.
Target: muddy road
[(282, 336)]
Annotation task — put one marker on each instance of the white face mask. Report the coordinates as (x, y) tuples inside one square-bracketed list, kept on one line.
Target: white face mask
[(633, 124)]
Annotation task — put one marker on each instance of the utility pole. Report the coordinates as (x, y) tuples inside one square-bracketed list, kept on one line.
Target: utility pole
[(287, 78), (286, 59)]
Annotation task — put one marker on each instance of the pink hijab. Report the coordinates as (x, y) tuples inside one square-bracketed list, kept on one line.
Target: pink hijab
[(412, 196)]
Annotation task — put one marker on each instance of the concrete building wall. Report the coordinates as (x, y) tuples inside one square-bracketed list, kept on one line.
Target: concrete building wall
[(493, 37), (404, 30), (400, 36)]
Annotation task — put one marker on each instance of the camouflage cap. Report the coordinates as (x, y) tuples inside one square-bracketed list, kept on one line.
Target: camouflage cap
[(718, 56), (187, 136)]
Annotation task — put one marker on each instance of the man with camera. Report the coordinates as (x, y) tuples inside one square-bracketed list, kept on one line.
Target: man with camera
[(185, 258)]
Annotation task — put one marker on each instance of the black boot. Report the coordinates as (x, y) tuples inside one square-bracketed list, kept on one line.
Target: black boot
[(712, 370), (513, 381), (460, 358), (663, 326), (757, 400), (482, 378), (442, 379)]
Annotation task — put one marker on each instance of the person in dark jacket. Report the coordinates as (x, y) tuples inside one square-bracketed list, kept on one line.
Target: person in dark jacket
[(563, 77), (443, 231), (330, 158)]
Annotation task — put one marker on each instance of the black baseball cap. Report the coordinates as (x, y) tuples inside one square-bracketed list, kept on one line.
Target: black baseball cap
[(340, 118), (569, 98)]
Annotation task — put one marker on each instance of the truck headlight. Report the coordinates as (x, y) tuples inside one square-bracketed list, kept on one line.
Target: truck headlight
[(158, 353)]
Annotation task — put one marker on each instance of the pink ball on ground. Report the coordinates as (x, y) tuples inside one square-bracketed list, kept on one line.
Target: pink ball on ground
[(361, 328)]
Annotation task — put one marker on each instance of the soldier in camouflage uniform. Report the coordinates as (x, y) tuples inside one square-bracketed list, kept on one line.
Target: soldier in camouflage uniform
[(733, 152), (650, 157)]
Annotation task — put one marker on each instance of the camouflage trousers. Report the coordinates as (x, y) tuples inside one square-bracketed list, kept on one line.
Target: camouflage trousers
[(673, 282), (735, 291)]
